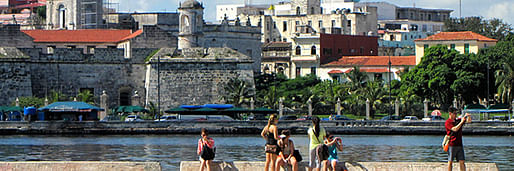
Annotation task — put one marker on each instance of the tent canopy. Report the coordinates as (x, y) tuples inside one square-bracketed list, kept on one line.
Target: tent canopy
[(10, 109), (70, 107), (474, 106)]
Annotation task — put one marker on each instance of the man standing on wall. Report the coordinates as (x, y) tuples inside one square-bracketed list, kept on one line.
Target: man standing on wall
[(454, 130)]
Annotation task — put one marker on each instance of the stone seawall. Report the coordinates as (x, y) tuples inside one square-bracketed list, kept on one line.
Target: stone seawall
[(367, 166), (248, 127)]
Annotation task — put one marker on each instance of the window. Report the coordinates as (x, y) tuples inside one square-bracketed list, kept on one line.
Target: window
[(378, 76), (298, 71), (335, 78), (313, 70), (297, 10), (309, 23), (349, 24), (485, 45), (284, 26), (429, 17), (466, 48), (452, 46), (425, 47), (274, 25), (50, 49), (391, 37), (339, 51), (333, 23), (313, 50), (296, 25), (90, 49), (320, 23), (327, 51), (298, 50), (361, 50)]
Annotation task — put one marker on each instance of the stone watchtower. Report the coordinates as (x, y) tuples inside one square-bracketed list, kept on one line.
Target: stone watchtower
[(190, 25)]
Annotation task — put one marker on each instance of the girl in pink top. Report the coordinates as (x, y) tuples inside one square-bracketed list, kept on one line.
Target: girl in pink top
[(209, 142)]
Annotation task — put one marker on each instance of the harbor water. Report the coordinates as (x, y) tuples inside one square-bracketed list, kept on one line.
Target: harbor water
[(169, 150)]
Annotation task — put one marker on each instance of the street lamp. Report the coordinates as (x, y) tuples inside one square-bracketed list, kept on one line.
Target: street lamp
[(158, 87), (487, 104), (389, 72)]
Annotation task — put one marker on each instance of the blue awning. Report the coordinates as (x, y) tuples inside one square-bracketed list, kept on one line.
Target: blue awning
[(70, 107)]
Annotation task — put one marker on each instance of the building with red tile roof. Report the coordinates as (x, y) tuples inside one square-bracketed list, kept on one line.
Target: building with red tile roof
[(376, 67), (464, 41), (87, 39)]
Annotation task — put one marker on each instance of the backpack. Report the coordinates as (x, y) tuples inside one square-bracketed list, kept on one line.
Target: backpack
[(207, 152), (321, 151)]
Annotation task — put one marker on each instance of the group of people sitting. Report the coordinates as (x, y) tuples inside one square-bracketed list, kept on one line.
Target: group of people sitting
[(280, 149)]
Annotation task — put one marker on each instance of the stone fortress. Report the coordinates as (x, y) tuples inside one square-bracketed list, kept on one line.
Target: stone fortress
[(194, 61)]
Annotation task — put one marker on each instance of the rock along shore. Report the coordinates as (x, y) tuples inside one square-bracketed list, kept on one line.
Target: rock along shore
[(247, 127)]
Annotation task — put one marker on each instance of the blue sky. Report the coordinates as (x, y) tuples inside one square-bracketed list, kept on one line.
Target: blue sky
[(487, 8)]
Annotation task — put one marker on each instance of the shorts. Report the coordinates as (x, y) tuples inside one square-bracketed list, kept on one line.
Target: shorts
[(456, 152), (313, 159)]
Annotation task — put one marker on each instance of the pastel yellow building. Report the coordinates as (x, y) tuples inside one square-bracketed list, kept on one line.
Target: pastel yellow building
[(465, 42)]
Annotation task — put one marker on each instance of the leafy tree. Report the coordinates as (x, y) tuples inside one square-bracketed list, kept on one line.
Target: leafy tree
[(265, 95), (443, 74), (30, 101), (375, 92), (326, 94), (237, 92), (357, 78), (297, 91), (41, 11), (505, 82), (56, 96), (493, 28), (86, 96)]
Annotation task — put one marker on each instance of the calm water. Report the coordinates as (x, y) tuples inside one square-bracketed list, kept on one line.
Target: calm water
[(169, 150)]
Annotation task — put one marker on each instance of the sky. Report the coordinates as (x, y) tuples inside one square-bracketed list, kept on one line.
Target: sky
[(501, 9)]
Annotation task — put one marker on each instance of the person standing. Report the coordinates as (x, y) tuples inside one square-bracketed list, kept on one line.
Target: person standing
[(454, 129), (270, 134), (334, 144), (205, 150), (316, 135)]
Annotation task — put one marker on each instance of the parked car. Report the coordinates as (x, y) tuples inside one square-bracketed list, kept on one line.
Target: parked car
[(304, 118), (342, 117), (133, 118), (410, 118), (167, 118), (288, 117), (388, 118), (219, 118)]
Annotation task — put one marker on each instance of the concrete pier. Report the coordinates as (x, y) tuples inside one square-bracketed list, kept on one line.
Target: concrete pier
[(354, 166), (248, 127), (79, 166)]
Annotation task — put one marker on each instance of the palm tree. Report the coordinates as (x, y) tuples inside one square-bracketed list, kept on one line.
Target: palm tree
[(270, 98), (237, 92), (505, 82), (57, 96), (86, 96), (357, 78), (375, 92)]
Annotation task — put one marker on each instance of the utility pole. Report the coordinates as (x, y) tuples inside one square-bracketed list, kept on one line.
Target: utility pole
[(158, 87), (390, 109)]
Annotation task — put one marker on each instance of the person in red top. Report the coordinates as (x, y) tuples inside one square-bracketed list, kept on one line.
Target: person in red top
[(209, 142), (454, 130)]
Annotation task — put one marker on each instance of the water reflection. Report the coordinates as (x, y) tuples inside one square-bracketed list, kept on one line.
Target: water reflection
[(169, 150)]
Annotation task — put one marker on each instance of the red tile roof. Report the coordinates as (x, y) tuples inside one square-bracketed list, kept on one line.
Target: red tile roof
[(462, 35), (374, 61), (81, 36), (336, 71)]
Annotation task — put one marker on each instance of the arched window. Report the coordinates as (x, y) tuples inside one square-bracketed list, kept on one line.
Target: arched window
[(298, 50), (313, 50), (312, 10), (62, 16), (297, 10)]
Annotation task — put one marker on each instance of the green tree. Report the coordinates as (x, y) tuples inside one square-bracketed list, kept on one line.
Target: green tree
[(505, 82), (86, 96), (30, 101), (326, 94), (493, 28), (297, 91), (238, 92), (266, 89), (375, 92), (442, 74), (357, 78), (56, 96)]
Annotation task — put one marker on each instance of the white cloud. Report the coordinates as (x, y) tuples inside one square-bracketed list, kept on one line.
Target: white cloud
[(502, 11)]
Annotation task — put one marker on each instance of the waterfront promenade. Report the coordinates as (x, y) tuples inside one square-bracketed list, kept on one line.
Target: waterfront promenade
[(247, 127)]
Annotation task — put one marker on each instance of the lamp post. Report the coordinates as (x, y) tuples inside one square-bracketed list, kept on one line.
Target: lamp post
[(389, 72), (487, 104), (158, 87)]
